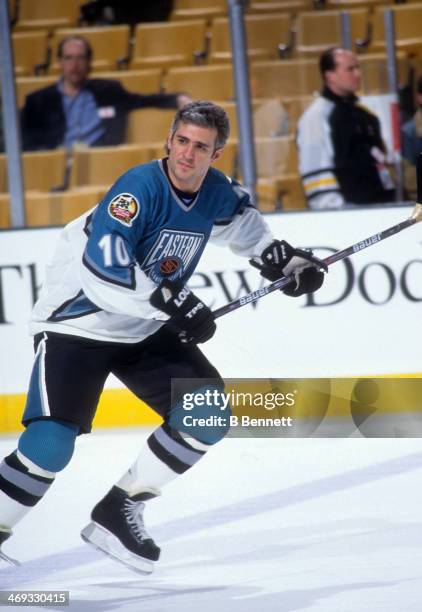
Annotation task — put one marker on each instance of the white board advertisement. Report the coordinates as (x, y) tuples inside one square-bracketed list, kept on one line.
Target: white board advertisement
[(366, 320)]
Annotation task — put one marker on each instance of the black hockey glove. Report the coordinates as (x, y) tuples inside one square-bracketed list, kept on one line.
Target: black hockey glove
[(281, 259), (188, 314)]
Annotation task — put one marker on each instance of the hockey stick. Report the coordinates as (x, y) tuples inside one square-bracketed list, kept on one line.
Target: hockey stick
[(253, 296)]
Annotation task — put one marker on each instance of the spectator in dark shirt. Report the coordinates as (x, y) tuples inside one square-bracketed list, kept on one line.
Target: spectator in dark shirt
[(342, 155), (83, 110)]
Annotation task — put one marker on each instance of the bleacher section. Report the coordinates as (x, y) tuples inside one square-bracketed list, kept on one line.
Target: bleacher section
[(192, 53)]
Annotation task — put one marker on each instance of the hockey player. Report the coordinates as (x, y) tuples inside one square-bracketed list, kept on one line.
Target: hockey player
[(115, 300), (342, 156)]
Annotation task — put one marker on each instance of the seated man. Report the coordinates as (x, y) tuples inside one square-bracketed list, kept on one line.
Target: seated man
[(341, 150), (79, 109)]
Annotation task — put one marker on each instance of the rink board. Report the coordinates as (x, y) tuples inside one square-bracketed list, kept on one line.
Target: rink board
[(365, 321)]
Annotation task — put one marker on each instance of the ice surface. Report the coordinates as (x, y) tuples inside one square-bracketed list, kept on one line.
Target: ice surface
[(322, 525)]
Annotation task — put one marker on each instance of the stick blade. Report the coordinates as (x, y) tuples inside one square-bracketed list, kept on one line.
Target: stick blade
[(417, 213)]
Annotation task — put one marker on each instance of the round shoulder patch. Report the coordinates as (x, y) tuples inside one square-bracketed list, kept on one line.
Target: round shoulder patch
[(124, 208)]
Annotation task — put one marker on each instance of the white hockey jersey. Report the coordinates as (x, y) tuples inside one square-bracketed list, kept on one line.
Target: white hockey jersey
[(109, 260)]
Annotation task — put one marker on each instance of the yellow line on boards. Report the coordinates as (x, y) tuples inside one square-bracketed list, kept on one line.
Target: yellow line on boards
[(117, 408), (120, 408)]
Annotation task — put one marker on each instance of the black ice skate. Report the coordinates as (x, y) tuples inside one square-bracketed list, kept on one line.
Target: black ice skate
[(117, 529), (5, 533)]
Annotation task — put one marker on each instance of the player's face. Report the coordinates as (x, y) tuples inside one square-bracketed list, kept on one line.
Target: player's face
[(191, 153), (345, 79), (74, 63)]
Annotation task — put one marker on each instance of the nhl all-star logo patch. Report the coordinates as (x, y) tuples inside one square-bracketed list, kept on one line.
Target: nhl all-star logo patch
[(124, 208)]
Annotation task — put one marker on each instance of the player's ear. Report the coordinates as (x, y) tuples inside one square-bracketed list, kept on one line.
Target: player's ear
[(169, 140), (217, 154)]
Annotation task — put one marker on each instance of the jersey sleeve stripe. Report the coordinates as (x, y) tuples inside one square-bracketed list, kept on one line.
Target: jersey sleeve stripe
[(128, 282)]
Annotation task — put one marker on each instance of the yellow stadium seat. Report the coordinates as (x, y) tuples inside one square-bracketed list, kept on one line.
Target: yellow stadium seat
[(29, 51), (345, 5), (110, 46), (374, 70), (204, 82), (277, 168), (168, 44), (281, 6), (283, 79), (294, 107), (4, 211), (26, 85), (284, 193), (228, 161), (3, 174), (276, 156), (263, 33), (149, 125), (199, 9), (59, 208), (103, 165), (407, 26), (47, 14), (136, 81), (42, 170), (317, 30)]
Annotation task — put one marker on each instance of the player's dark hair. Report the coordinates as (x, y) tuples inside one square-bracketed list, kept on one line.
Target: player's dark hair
[(204, 114), (86, 43), (327, 61)]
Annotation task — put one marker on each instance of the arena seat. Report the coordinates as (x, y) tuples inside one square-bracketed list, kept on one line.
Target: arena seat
[(4, 210), (278, 183), (202, 82), (228, 162), (47, 14), (101, 166), (276, 156), (3, 174), (318, 30), (345, 5), (136, 81), (280, 79), (149, 125), (374, 70), (263, 33), (168, 44), (292, 7), (59, 208), (407, 26), (284, 193), (42, 170), (198, 9), (29, 51)]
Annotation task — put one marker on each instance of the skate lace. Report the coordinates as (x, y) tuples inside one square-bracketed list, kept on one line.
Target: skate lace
[(134, 517)]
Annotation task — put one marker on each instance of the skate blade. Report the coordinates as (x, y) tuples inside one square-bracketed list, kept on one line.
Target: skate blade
[(104, 541), (9, 559)]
